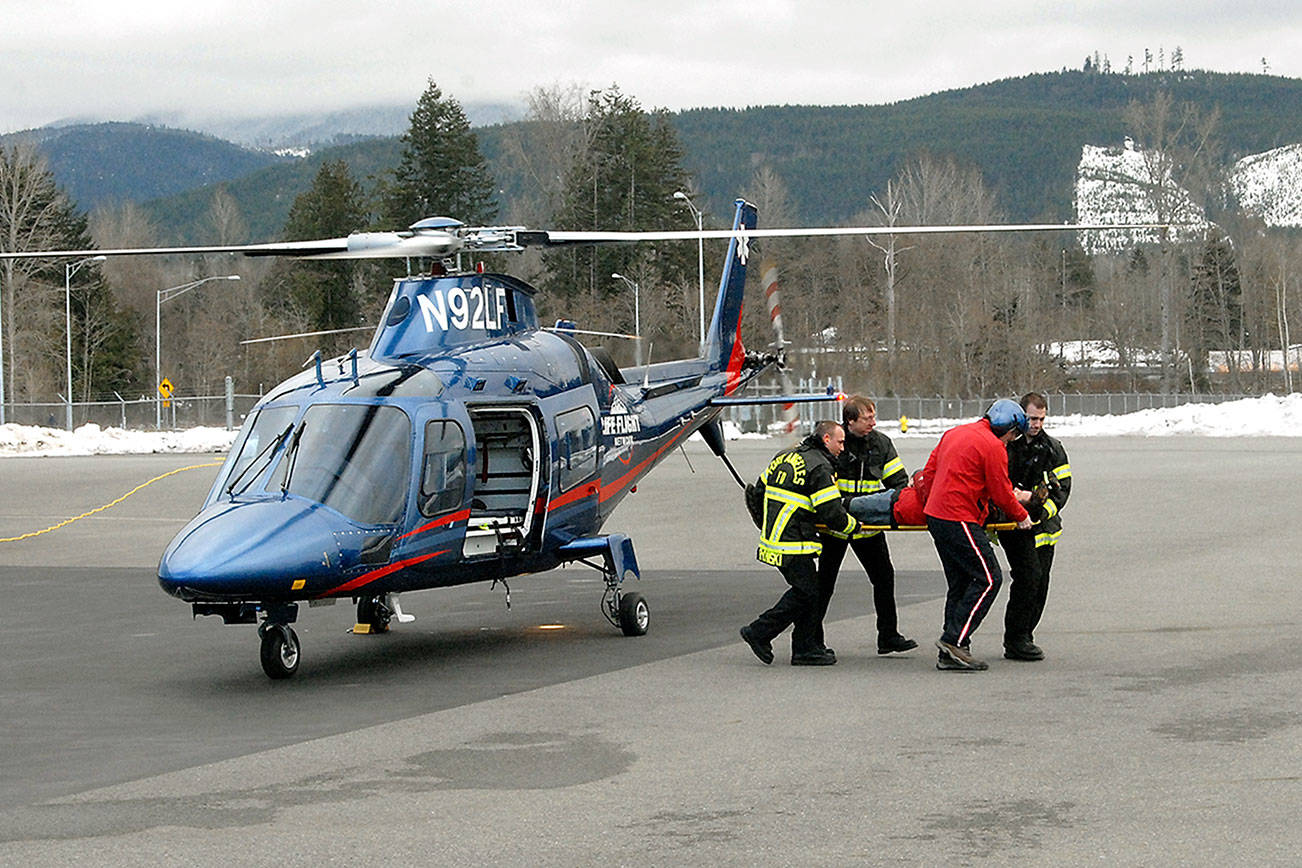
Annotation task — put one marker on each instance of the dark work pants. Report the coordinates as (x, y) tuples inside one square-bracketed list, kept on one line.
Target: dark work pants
[(875, 557), (1028, 573), (972, 573), (798, 607)]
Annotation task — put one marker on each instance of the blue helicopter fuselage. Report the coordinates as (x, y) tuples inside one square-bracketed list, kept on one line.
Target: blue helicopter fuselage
[(467, 444)]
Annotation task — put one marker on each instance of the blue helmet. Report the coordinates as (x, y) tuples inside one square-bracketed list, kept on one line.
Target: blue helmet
[(1005, 415)]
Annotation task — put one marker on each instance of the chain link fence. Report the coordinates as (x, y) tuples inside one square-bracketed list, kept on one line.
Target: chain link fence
[(142, 414), (229, 410), (762, 417)]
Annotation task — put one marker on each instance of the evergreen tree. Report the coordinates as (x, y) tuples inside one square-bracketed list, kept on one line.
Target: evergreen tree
[(1215, 311), (326, 294), (624, 179), (442, 172)]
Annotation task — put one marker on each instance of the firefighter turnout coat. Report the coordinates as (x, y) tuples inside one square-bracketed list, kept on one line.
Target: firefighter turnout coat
[(800, 494), (1042, 461)]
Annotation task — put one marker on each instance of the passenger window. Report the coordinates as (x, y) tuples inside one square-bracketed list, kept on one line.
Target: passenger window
[(576, 432), (443, 479)]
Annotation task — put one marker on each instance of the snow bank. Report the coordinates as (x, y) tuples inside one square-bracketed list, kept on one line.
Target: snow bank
[(1268, 416)]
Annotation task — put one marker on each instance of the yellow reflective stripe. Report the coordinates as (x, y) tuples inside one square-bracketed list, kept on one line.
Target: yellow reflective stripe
[(1047, 539), (1062, 471), (827, 494), (859, 486), (1050, 509), (791, 498), (779, 524), (798, 547), (892, 467)]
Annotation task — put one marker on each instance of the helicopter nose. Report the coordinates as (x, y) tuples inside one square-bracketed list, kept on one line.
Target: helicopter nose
[(249, 551)]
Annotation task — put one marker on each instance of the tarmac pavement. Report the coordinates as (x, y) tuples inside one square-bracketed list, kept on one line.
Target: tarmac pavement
[(1162, 729)]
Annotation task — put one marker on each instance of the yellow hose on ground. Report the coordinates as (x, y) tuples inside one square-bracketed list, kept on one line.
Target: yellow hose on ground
[(69, 521)]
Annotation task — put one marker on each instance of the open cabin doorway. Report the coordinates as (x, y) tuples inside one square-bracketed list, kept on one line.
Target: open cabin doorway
[(506, 479)]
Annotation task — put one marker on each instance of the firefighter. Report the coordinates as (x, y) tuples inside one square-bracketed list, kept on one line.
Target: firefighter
[(1038, 463), (966, 471), (868, 464), (799, 491)]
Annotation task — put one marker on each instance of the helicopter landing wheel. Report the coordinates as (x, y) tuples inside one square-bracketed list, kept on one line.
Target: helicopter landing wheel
[(374, 613), (280, 651), (634, 614)]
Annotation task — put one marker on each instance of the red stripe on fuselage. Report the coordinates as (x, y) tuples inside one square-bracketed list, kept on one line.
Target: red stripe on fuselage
[(463, 515), (367, 578), (586, 490)]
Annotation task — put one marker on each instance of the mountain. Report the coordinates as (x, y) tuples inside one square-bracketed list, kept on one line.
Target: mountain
[(323, 129), (1025, 135), (98, 164), (265, 196)]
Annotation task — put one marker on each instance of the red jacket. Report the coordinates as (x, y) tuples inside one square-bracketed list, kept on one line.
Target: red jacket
[(967, 470), (908, 508)]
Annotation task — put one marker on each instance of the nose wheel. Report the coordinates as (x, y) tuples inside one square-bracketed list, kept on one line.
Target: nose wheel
[(280, 652)]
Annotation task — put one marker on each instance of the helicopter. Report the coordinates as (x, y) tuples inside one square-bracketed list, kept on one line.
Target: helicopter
[(467, 443)]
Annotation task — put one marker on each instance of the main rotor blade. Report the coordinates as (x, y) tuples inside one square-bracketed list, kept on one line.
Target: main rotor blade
[(584, 237), (360, 245), (290, 248)]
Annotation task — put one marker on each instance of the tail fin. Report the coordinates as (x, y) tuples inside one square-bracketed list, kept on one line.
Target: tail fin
[(723, 349)]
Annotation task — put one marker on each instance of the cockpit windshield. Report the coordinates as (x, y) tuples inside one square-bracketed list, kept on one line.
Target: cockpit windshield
[(353, 458)]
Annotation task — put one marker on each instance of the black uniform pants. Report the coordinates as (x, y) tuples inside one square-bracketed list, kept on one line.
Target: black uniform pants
[(798, 607), (971, 572), (875, 558), (1028, 572)]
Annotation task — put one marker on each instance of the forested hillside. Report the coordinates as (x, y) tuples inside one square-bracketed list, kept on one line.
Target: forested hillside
[(265, 196), (100, 164), (1024, 135)]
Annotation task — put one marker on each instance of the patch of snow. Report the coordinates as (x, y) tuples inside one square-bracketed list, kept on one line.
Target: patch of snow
[(1267, 416), (1115, 185), (1270, 185)]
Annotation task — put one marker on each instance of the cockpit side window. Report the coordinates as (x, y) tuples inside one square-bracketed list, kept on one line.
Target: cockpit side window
[(260, 432), (443, 473), (576, 445)]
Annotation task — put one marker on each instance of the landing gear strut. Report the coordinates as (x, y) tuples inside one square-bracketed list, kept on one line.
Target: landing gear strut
[(629, 612)]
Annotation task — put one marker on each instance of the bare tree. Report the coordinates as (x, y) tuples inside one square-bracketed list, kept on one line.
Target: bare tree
[(1176, 144)]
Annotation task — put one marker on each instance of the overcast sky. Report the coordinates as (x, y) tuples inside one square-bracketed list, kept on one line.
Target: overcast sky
[(111, 60)]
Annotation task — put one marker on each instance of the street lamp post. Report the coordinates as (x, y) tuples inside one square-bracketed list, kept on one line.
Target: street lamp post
[(700, 255), (637, 315), (161, 296), (68, 271)]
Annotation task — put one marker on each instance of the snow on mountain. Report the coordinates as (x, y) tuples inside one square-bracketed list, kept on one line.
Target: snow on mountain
[(1119, 185), (1270, 185)]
